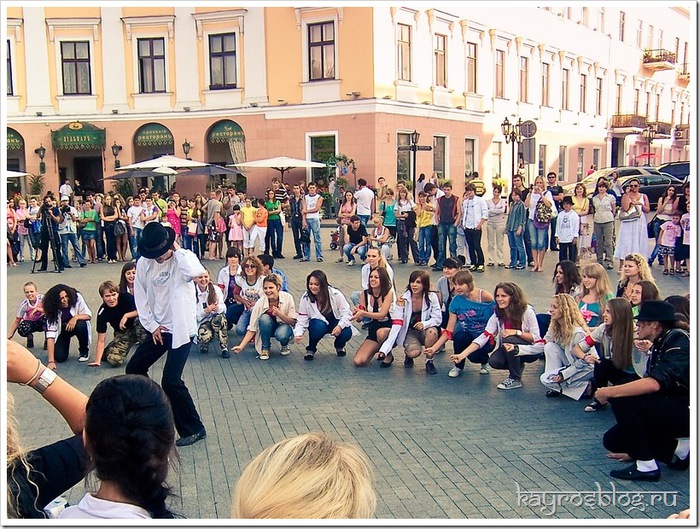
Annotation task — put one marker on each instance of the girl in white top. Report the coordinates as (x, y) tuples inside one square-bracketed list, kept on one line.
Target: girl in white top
[(323, 310), (565, 373), (538, 235), (249, 288), (273, 315), (514, 330), (496, 226), (129, 434), (211, 315), (375, 259), (379, 236)]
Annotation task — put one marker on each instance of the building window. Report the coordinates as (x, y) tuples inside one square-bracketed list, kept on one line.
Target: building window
[(601, 19), (439, 156), (565, 89), (640, 31), (321, 51), (471, 68), (322, 148), (637, 94), (647, 108), (678, 49), (500, 73), (75, 63), (579, 164), (622, 26), (658, 104), (683, 113), (584, 16), (440, 60), (542, 162), (496, 159), (151, 65), (9, 71), (582, 94), (545, 84), (618, 99), (403, 158), (650, 38), (523, 79), (596, 158), (469, 156), (222, 61), (404, 51), (562, 162), (599, 96), (673, 112)]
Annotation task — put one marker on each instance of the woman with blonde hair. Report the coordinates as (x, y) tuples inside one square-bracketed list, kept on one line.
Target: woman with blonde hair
[(634, 269), (564, 372), (596, 291), (582, 206), (309, 476)]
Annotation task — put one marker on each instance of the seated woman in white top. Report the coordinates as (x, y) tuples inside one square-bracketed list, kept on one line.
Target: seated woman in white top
[(129, 436), (565, 372), (323, 310), (273, 315), (211, 315)]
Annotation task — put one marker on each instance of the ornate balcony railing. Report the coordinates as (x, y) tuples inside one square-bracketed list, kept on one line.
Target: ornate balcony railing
[(662, 128), (659, 59), (619, 121)]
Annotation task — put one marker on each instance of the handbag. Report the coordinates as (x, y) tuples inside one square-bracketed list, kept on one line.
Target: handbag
[(633, 213), (650, 227), (119, 228), (192, 228)]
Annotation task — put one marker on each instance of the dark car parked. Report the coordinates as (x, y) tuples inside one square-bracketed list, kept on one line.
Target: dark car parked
[(680, 170)]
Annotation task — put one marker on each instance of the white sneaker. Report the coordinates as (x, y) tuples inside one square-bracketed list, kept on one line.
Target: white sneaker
[(455, 372), (351, 263), (265, 354), (285, 350), (484, 369), (510, 383), (83, 358)]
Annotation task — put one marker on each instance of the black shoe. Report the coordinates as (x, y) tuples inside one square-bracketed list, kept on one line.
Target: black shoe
[(340, 352), (225, 353), (551, 394), (66, 266), (308, 356), (30, 341), (430, 368), (387, 364), (83, 265), (632, 474), (279, 256), (365, 325), (191, 439), (297, 257), (204, 348), (408, 362), (41, 270), (679, 464)]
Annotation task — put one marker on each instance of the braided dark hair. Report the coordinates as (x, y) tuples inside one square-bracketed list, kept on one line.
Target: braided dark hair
[(129, 430)]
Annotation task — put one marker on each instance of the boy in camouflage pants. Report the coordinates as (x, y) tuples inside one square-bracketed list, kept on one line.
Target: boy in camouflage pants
[(119, 310)]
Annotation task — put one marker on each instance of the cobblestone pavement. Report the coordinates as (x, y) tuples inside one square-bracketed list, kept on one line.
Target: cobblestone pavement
[(442, 448)]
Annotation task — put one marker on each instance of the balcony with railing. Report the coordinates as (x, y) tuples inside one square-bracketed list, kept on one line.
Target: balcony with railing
[(659, 59), (631, 123), (663, 130), (684, 72), (681, 134)]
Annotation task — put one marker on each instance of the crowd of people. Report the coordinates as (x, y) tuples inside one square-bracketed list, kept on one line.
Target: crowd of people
[(166, 301)]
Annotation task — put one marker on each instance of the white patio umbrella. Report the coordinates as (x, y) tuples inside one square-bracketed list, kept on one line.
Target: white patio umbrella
[(281, 163), (13, 174), (164, 161)]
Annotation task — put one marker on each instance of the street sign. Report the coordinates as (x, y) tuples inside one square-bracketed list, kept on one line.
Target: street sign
[(528, 147), (424, 148), (410, 148), (528, 129), (403, 148)]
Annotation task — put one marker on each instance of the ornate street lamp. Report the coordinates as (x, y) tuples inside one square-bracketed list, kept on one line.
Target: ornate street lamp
[(41, 151), (186, 146), (115, 152), (512, 134), (649, 133)]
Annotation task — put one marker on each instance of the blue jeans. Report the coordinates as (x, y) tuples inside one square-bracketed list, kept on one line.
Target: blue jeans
[(517, 249), (186, 240), (446, 230), (233, 313), (462, 340), (132, 246), (526, 239), (655, 252), (538, 237), (100, 245), (243, 321), (273, 237), (318, 329), (315, 232), (424, 243), (361, 251), (268, 328), (73, 239), (364, 219)]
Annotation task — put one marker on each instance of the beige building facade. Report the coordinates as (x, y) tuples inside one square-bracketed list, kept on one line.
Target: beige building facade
[(111, 85)]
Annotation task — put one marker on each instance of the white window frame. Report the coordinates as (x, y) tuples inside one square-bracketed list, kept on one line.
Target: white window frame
[(59, 65), (316, 134), (318, 18), (446, 158), (135, 61), (475, 139)]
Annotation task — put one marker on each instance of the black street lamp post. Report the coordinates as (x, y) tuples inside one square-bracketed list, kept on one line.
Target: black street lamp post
[(513, 136), (414, 148), (649, 134)]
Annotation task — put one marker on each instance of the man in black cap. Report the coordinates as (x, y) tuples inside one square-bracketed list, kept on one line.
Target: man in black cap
[(165, 302), (653, 413)]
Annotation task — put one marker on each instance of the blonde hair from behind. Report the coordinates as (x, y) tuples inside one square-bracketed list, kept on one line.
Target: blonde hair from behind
[(309, 476), (16, 459)]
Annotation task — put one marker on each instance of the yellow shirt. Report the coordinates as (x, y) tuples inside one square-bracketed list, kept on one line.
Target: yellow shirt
[(248, 216), (580, 206), (425, 218)]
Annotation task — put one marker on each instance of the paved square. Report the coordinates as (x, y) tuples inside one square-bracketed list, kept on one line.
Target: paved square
[(441, 448)]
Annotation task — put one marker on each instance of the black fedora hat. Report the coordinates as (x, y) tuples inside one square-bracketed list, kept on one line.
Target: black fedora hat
[(155, 240), (654, 310)]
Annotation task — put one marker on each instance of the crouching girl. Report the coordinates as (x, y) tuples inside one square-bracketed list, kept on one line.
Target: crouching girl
[(211, 315)]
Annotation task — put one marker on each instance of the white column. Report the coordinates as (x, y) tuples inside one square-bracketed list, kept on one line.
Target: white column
[(186, 67), (113, 60), (37, 61), (255, 82)]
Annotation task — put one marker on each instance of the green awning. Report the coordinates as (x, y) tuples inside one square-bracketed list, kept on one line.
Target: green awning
[(78, 136), (225, 130), (14, 140), (153, 134)]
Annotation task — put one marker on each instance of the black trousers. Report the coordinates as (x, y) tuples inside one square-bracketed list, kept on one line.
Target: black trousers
[(405, 241), (476, 254), (62, 345), (296, 233), (648, 426), (568, 251), (502, 359), (605, 373), (434, 242), (44, 247), (187, 421)]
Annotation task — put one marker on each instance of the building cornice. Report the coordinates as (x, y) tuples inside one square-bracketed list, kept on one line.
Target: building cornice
[(154, 21), (234, 15), (74, 23)]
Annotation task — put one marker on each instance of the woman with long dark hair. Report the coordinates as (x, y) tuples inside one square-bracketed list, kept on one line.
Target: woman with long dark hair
[(67, 315), (129, 434), (109, 216), (127, 277), (323, 310)]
